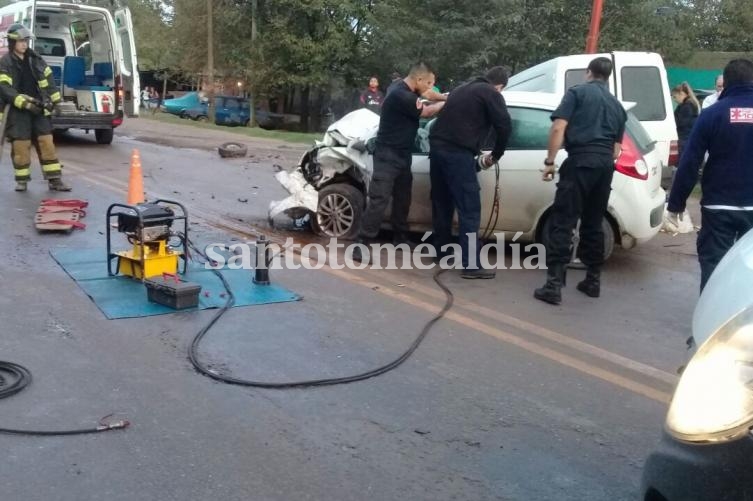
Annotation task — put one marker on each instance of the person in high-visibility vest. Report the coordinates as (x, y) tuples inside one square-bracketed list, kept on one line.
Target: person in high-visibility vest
[(26, 83)]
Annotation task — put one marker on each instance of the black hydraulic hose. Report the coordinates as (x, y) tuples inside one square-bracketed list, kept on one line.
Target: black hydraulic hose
[(21, 378), (201, 368)]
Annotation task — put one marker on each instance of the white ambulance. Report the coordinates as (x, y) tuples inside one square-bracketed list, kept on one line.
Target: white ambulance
[(638, 77), (92, 54)]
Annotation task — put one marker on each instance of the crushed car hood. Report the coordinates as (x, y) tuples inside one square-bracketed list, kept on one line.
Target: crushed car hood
[(343, 149)]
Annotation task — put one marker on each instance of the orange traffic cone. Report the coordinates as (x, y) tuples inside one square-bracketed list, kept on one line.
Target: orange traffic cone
[(136, 180)]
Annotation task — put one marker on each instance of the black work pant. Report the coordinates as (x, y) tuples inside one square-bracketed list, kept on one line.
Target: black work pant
[(392, 177), (720, 229), (454, 185), (582, 192)]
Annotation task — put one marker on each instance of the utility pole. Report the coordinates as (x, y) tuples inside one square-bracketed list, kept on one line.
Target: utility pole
[(210, 61), (251, 87), (592, 42)]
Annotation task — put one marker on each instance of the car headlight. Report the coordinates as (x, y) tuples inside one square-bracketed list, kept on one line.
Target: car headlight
[(714, 400)]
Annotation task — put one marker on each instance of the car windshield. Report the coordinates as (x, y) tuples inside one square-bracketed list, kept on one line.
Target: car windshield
[(639, 134)]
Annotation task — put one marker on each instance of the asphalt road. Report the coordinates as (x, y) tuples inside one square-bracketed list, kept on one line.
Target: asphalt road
[(507, 398)]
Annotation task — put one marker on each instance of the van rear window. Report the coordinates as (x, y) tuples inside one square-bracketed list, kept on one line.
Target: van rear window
[(574, 77), (49, 47), (642, 85)]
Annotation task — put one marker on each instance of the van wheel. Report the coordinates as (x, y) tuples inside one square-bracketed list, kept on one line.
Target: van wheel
[(202, 118), (104, 136), (339, 211), (606, 227)]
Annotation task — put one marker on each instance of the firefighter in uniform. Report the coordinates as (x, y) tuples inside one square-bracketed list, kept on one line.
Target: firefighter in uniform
[(26, 83), (591, 122)]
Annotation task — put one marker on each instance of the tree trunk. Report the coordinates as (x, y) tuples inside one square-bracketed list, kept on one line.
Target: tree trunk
[(305, 109), (316, 117)]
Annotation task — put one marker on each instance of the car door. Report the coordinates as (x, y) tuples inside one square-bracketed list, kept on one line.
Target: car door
[(420, 211), (523, 195), (232, 111)]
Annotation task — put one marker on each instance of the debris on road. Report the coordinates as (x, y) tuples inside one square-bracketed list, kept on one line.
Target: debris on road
[(232, 150)]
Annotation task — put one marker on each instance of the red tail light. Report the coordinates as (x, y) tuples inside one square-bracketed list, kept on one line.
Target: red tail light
[(117, 121), (631, 162), (119, 91), (674, 154)]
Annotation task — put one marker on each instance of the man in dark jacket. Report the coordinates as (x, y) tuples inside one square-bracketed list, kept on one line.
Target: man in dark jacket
[(455, 139), (725, 131), (392, 176), (26, 83), (591, 122)]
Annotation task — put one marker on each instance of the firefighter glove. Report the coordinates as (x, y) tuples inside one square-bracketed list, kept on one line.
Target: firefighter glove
[(28, 103)]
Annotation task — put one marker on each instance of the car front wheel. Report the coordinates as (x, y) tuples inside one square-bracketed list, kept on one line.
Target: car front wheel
[(339, 211)]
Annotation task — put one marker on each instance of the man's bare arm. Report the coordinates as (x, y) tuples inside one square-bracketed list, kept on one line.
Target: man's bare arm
[(617, 151), (433, 95), (556, 138), (430, 110)]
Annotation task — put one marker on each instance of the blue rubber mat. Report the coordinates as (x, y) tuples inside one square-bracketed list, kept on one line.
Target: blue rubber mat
[(123, 297)]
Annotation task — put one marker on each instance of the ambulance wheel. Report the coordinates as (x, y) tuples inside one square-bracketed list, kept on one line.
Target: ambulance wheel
[(104, 136)]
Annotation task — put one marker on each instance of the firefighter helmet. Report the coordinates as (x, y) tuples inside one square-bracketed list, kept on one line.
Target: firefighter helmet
[(18, 32)]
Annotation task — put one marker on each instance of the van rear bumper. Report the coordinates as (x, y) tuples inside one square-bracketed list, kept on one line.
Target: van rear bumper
[(87, 120)]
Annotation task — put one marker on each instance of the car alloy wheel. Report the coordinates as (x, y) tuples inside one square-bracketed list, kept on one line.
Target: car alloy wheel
[(339, 211)]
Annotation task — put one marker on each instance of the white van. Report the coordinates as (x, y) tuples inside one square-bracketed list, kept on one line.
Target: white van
[(93, 60), (638, 77)]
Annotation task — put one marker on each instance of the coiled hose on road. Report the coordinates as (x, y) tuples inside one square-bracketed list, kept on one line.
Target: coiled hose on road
[(200, 367)]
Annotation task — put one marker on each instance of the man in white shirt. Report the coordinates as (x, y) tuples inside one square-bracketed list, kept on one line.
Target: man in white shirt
[(715, 96)]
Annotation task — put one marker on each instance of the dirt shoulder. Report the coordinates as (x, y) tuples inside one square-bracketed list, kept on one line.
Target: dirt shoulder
[(177, 135)]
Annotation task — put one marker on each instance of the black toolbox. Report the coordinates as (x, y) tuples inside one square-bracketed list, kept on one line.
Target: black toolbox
[(173, 292)]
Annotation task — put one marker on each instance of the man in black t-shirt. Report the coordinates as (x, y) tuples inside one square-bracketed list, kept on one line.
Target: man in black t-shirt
[(401, 111), (590, 122)]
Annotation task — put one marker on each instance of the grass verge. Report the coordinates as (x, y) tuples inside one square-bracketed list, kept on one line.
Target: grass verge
[(281, 135)]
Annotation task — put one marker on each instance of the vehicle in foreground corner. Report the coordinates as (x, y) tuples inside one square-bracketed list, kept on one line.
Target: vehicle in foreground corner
[(706, 451), (331, 179)]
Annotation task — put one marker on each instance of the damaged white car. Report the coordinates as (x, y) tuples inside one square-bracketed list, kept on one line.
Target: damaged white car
[(331, 181)]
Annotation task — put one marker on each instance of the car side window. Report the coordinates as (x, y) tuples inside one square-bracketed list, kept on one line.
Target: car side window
[(530, 130), (232, 104)]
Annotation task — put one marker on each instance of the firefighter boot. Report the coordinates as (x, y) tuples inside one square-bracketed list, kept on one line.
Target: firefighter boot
[(57, 184), (591, 286), (21, 185), (555, 280)]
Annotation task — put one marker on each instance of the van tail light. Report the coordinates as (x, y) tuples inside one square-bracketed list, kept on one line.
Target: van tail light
[(117, 121), (631, 162), (119, 90), (674, 154)]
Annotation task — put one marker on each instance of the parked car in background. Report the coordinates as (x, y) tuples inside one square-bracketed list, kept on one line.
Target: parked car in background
[(332, 179), (229, 110), (179, 105), (234, 110), (706, 451)]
